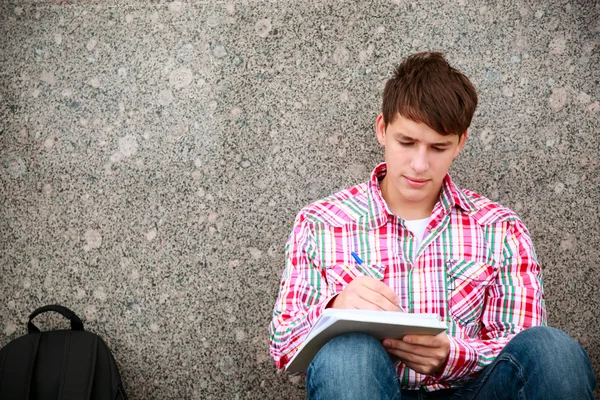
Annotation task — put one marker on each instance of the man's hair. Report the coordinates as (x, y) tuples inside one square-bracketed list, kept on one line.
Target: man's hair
[(426, 89)]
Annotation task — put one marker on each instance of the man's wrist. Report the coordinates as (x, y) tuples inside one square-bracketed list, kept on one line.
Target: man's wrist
[(442, 366), (330, 303)]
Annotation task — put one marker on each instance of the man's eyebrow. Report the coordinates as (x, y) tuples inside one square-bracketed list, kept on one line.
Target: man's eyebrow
[(402, 136), (446, 143), (405, 137)]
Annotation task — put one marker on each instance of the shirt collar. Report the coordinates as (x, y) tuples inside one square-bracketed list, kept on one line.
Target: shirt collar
[(379, 211), (451, 196)]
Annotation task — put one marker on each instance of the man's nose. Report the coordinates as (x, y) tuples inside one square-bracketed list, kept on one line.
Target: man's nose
[(420, 162)]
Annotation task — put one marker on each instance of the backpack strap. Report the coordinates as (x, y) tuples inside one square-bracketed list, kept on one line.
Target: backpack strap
[(76, 323), (79, 366), (12, 384)]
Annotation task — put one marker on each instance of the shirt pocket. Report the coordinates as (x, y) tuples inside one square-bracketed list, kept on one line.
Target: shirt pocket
[(467, 282), (340, 275)]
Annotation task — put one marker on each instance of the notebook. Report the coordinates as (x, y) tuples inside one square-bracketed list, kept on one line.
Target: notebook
[(379, 324)]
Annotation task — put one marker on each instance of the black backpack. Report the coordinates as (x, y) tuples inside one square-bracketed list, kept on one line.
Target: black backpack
[(59, 365)]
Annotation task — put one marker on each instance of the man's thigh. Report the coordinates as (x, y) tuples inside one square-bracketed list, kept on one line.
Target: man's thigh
[(538, 363)]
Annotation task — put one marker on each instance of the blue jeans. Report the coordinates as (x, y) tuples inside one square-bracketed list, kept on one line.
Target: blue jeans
[(538, 363)]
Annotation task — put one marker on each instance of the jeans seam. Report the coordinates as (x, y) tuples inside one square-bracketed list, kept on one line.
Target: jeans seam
[(506, 357)]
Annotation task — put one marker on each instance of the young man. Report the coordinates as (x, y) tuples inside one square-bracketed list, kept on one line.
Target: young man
[(436, 248)]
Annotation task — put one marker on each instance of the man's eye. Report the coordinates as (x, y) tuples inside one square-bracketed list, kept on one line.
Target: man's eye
[(405, 143), (439, 149)]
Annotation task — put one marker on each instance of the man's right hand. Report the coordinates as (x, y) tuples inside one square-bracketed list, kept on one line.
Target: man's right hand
[(366, 293)]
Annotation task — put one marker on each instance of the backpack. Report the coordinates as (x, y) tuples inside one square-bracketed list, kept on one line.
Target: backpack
[(59, 365)]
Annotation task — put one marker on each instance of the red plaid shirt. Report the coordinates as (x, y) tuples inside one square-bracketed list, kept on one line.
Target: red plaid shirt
[(476, 268)]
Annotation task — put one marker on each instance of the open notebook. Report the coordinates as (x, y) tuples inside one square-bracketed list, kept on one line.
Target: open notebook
[(379, 324)]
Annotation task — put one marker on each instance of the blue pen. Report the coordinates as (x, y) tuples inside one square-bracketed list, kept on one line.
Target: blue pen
[(357, 258), (361, 262)]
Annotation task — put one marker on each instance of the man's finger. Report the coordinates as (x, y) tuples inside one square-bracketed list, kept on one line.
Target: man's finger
[(377, 299), (422, 340), (361, 304), (383, 289), (405, 348), (407, 357), (423, 369)]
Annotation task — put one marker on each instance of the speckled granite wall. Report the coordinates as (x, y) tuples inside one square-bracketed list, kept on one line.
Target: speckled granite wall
[(154, 155)]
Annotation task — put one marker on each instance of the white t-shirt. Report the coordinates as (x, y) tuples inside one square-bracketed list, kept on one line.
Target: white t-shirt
[(417, 227)]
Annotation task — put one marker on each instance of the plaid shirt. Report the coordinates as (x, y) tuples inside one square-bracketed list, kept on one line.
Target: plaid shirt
[(476, 268)]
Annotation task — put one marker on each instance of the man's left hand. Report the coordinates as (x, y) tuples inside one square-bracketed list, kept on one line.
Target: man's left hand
[(422, 353)]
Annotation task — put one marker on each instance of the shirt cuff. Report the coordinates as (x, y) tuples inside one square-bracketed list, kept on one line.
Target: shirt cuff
[(462, 359), (311, 317), (318, 309)]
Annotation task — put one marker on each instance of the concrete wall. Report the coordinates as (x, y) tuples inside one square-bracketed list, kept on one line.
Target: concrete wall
[(154, 155)]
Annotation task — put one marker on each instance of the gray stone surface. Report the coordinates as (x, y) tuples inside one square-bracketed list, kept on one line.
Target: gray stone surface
[(154, 155)]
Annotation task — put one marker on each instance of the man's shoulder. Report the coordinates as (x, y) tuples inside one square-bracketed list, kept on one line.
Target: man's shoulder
[(343, 207), (486, 211)]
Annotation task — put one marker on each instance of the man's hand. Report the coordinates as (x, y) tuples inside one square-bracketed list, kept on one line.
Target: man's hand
[(366, 293), (422, 353)]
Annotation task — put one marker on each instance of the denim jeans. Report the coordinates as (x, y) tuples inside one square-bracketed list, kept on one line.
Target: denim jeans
[(538, 363)]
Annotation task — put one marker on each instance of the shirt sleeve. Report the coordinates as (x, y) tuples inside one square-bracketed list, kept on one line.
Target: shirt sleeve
[(514, 302), (303, 294)]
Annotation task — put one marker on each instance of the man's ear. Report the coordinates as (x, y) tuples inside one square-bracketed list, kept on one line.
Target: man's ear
[(461, 143), (380, 129)]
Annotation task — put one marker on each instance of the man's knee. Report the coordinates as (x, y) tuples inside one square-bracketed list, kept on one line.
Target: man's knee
[(554, 354), (350, 351), (547, 344), (352, 365)]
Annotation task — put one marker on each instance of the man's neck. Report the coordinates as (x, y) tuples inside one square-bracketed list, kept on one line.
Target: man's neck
[(405, 209)]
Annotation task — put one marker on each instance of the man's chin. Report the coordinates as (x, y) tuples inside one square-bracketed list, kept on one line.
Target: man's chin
[(414, 195)]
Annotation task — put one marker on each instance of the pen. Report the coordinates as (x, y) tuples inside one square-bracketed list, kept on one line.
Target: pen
[(361, 262), (357, 258)]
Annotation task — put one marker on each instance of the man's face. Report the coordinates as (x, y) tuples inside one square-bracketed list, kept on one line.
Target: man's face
[(418, 158)]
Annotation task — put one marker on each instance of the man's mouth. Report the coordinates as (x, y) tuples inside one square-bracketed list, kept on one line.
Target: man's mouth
[(416, 182)]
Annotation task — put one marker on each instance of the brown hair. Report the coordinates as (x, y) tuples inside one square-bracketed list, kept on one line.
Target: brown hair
[(426, 89)]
